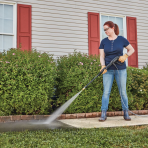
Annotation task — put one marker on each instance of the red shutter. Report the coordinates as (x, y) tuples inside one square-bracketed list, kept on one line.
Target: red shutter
[(24, 26), (93, 33), (132, 38)]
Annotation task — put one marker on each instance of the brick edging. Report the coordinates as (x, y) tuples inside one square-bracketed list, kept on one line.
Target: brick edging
[(13, 118)]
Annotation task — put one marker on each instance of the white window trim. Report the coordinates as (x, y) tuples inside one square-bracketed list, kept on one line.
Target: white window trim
[(124, 28), (14, 22)]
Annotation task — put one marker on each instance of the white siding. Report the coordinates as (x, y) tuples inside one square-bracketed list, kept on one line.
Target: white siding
[(60, 26)]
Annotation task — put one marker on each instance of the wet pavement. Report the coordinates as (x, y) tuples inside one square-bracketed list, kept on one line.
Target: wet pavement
[(115, 121), (31, 125)]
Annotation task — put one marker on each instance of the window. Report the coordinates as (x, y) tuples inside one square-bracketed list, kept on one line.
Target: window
[(120, 21), (7, 26)]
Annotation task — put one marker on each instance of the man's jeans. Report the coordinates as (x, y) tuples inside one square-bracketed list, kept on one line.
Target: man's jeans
[(108, 78)]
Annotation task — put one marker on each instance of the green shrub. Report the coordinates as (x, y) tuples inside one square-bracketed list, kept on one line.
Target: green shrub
[(73, 73), (145, 67), (26, 82), (139, 87), (76, 71)]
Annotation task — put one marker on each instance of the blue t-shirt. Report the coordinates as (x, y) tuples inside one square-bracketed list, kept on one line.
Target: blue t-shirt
[(113, 48)]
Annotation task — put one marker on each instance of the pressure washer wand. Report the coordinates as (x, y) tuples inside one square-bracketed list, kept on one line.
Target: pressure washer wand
[(112, 62)]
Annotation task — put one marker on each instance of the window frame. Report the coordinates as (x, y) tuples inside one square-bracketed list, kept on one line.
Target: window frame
[(124, 28), (14, 34)]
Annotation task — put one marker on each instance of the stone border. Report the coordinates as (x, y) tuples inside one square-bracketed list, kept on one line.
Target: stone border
[(14, 118)]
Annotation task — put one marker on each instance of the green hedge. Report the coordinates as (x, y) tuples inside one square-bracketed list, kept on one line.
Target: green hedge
[(73, 73), (77, 70), (145, 67), (139, 87), (26, 82)]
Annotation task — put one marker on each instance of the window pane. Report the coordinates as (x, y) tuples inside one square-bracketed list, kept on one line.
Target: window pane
[(8, 26), (1, 45), (8, 42), (103, 35), (8, 12), (119, 22), (1, 11), (121, 32), (1, 27), (112, 19), (103, 20)]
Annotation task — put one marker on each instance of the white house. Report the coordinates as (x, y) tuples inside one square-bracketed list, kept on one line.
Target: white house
[(60, 26)]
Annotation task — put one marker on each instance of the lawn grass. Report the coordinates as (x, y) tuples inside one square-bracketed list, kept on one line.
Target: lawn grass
[(120, 137)]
